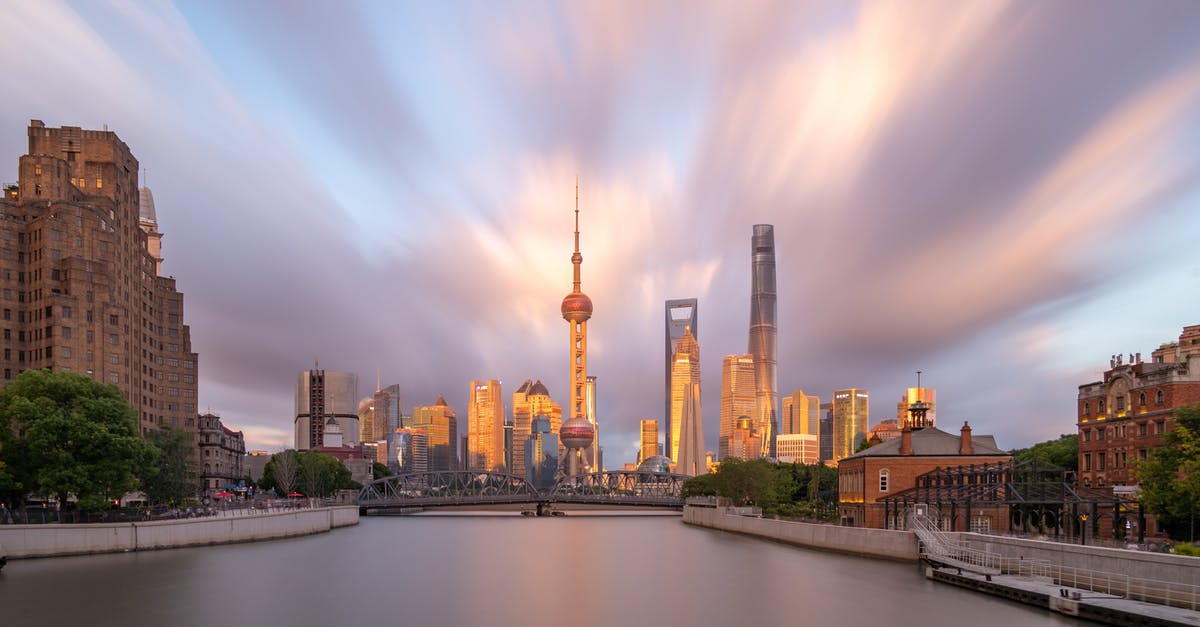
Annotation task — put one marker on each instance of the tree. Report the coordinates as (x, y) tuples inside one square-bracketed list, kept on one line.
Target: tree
[(1063, 452), (173, 476), (1170, 476), (279, 473), (63, 434), (380, 471), (320, 474), (700, 485)]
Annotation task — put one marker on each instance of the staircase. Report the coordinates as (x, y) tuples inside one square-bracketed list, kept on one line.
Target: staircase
[(939, 548)]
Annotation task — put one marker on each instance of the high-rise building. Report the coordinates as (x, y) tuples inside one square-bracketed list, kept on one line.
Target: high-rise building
[(366, 419), (531, 400), (593, 456), (825, 433), (797, 448), (440, 425), (389, 411), (321, 395), (850, 412), (408, 451), (738, 399), (485, 426), (681, 314), (762, 334), (577, 434), (541, 454), (912, 395), (685, 370), (649, 447), (80, 255), (743, 444), (801, 414), (691, 437)]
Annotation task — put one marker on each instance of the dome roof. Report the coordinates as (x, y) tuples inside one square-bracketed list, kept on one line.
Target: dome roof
[(656, 463), (146, 205), (538, 388), (577, 304), (576, 433)]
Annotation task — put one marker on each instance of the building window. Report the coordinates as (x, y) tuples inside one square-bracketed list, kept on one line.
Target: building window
[(1101, 459), (114, 358), (1142, 454), (1160, 426), (1159, 397), (1086, 409), (1121, 403), (1100, 434), (883, 480), (1141, 399), (1087, 435), (1100, 407), (1142, 429), (1087, 461)]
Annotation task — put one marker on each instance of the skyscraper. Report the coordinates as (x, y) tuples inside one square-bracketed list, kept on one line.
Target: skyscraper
[(577, 433), (649, 447), (321, 395), (738, 398), (389, 410), (82, 289), (801, 414), (531, 400), (540, 454), (825, 435), (850, 411), (912, 395), (685, 371), (691, 437), (593, 456), (485, 426), (762, 334), (440, 425), (681, 314)]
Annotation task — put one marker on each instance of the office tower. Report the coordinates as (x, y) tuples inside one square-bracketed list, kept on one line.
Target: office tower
[(440, 425), (541, 454), (530, 400), (389, 411), (80, 255), (762, 334), (685, 370), (681, 314), (738, 398), (366, 419), (577, 434), (912, 395), (743, 444), (508, 443), (691, 438), (850, 411), (485, 426), (321, 395), (593, 456), (801, 414), (649, 448), (408, 451), (825, 433), (797, 448)]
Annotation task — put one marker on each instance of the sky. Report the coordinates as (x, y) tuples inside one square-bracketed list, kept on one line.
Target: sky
[(999, 194)]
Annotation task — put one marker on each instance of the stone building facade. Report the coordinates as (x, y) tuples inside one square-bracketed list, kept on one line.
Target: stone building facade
[(222, 455), (80, 288)]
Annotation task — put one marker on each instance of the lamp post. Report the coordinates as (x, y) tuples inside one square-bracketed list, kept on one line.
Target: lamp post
[(1083, 528)]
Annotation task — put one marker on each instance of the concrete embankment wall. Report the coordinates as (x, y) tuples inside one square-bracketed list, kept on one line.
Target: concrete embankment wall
[(1137, 564), (900, 545), (51, 540)]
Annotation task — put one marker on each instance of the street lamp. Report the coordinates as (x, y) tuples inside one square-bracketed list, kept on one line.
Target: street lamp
[(1083, 528)]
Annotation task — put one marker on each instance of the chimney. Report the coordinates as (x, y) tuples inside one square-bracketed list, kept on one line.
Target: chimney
[(965, 446), (906, 440)]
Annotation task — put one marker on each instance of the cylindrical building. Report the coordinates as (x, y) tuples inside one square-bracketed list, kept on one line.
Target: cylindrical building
[(762, 334)]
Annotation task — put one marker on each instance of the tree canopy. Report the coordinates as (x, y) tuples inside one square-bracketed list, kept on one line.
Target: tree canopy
[(63, 434), (777, 488), (311, 473), (1170, 476), (1062, 452), (173, 478)]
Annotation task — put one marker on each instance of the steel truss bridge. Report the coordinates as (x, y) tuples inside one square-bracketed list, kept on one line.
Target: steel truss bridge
[(465, 488)]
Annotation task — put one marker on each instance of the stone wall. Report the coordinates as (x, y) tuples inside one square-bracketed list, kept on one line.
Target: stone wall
[(1138, 564), (900, 545)]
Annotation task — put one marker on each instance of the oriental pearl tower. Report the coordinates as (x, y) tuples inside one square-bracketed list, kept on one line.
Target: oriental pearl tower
[(577, 433)]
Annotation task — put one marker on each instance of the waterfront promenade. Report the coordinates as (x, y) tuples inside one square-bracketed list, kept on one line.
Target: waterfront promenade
[(224, 527)]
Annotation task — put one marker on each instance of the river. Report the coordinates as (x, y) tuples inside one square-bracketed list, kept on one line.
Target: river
[(482, 570)]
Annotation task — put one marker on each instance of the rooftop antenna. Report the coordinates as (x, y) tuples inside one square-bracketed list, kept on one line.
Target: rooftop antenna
[(918, 379), (378, 379)]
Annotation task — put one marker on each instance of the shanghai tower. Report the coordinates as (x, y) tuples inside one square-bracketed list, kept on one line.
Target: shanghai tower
[(762, 335)]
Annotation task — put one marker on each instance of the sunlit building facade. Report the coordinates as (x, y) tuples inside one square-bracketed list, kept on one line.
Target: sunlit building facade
[(321, 395), (649, 440), (440, 425), (912, 395), (577, 434), (801, 414), (762, 345), (691, 437), (850, 418), (593, 456), (389, 411), (743, 444), (485, 426), (531, 400), (738, 399), (681, 314), (408, 451), (685, 371), (797, 448)]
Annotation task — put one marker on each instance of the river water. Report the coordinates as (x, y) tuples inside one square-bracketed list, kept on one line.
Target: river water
[(495, 570)]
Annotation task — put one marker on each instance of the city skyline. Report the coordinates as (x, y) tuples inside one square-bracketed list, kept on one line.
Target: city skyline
[(948, 193)]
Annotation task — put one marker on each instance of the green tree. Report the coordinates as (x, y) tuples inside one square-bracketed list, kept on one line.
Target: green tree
[(1170, 477), (172, 476), (1062, 452), (63, 434), (700, 485), (279, 473), (320, 474), (379, 470)]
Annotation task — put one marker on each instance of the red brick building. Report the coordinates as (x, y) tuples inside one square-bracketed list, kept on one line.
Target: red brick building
[(1124, 416), (893, 466)]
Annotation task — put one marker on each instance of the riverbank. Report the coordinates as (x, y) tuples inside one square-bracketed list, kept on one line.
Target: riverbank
[(54, 540)]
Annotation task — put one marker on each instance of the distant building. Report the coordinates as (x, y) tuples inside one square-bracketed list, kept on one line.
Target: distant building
[(738, 399), (691, 437), (825, 433), (685, 371), (593, 456), (485, 426), (321, 395), (681, 314), (763, 330), (649, 441), (743, 443), (912, 395), (886, 430), (389, 411), (540, 452), (799, 448), (221, 455), (440, 425), (408, 451), (254, 463), (801, 414), (366, 419), (850, 412), (530, 400)]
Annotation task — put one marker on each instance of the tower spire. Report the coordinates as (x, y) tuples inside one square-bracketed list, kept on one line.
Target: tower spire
[(577, 258)]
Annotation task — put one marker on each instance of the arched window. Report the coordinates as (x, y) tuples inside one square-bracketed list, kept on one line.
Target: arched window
[(1159, 397), (883, 480), (1085, 408), (1141, 399)]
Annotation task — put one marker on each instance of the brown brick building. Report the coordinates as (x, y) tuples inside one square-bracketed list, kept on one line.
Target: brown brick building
[(80, 288), (893, 466), (222, 451), (1124, 416)]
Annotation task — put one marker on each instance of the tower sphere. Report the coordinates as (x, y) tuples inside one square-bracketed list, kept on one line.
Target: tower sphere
[(576, 433), (576, 306)]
